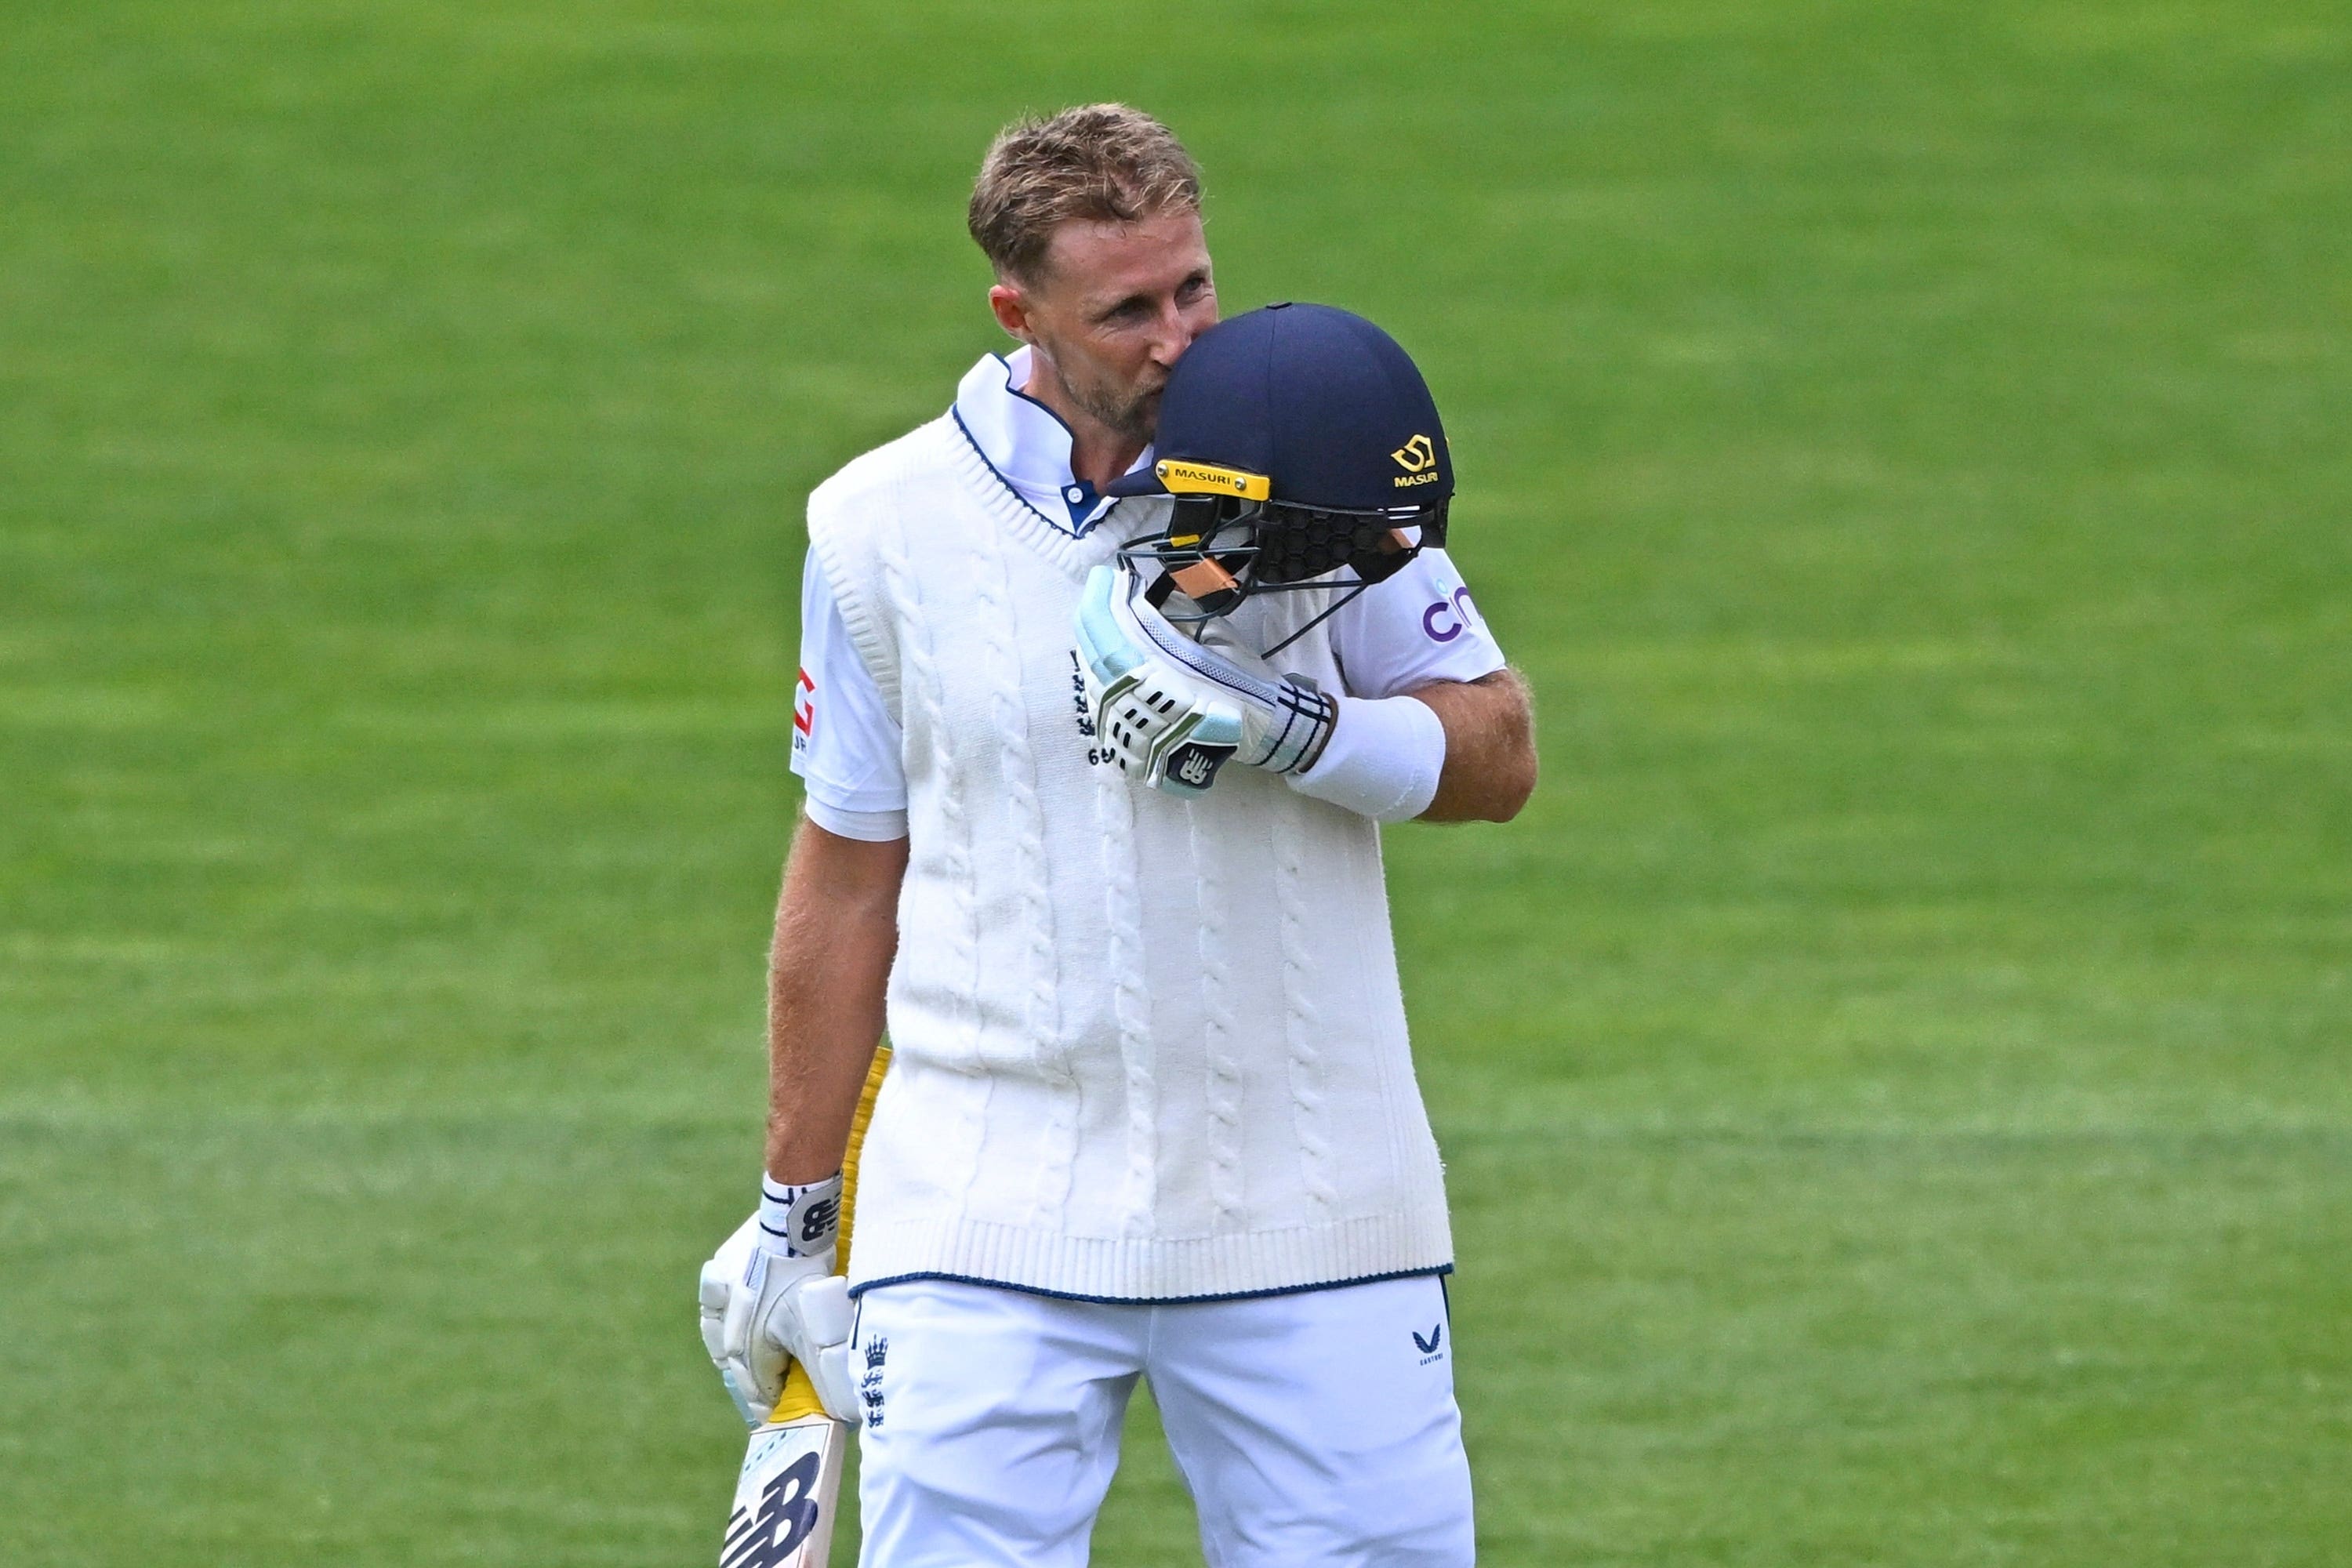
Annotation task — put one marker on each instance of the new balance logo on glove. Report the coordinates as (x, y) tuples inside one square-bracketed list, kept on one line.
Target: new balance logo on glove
[(1195, 766)]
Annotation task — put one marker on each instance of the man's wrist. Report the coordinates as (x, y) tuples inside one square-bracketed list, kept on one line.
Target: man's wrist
[(800, 1219), (1381, 760)]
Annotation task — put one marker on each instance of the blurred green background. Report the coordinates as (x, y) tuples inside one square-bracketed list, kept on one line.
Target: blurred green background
[(1895, 1076)]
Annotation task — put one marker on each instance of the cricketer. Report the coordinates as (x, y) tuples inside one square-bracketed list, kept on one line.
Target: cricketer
[(1110, 674)]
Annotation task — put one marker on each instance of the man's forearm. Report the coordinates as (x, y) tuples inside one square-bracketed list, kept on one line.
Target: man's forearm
[(1490, 748), (836, 932)]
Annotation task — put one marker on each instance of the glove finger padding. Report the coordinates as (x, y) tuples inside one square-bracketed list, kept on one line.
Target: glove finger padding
[(754, 1374), (836, 1386), (1172, 711), (826, 1318), (714, 1293), (809, 1322), (1155, 724), (765, 1353), (825, 1311), (1174, 739), (723, 1306), (760, 1309)]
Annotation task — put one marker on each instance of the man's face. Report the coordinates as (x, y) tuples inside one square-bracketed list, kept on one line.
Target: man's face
[(1115, 306)]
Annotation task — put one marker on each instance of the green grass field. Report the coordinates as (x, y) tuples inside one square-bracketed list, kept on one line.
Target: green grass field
[(1897, 1078)]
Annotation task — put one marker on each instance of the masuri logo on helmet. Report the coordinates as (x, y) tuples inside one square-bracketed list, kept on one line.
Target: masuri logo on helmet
[(1415, 457), (1203, 479)]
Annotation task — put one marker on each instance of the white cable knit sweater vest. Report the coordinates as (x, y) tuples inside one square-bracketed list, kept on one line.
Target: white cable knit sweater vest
[(1146, 1048)]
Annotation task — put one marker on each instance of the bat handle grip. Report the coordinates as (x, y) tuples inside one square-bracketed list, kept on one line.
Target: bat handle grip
[(799, 1398)]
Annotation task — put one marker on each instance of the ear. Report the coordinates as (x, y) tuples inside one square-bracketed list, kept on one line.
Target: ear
[(1012, 308)]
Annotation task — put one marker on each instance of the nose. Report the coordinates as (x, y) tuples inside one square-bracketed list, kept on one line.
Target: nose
[(1172, 335)]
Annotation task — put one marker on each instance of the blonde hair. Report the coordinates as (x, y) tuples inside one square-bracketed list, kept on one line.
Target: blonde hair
[(1101, 163)]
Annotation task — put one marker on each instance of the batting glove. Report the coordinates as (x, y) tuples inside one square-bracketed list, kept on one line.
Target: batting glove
[(766, 1304), (1170, 711)]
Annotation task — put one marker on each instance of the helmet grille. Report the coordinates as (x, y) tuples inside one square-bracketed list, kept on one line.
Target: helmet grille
[(1263, 546), (1296, 544)]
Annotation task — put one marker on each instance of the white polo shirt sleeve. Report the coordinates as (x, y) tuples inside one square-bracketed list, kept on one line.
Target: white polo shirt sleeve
[(845, 744), (1418, 626)]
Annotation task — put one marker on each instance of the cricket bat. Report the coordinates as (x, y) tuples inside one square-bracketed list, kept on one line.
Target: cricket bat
[(791, 1479)]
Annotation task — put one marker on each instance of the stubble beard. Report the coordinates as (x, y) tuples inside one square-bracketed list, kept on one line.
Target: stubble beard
[(1134, 415)]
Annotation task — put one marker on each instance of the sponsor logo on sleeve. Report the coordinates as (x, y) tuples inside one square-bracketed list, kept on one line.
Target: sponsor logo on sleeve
[(1449, 618)]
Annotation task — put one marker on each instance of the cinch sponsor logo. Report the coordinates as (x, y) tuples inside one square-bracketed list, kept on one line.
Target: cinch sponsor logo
[(804, 704), (1454, 611)]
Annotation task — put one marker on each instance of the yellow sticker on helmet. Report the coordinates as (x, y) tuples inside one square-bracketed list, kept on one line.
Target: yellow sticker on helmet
[(1206, 479)]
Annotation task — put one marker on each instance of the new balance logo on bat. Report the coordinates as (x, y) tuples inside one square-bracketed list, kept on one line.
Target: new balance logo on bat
[(765, 1537)]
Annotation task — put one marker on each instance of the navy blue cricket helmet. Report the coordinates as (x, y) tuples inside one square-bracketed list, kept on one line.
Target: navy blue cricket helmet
[(1296, 441)]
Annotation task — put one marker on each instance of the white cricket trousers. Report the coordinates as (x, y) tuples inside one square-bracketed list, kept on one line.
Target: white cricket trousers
[(1317, 1428)]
